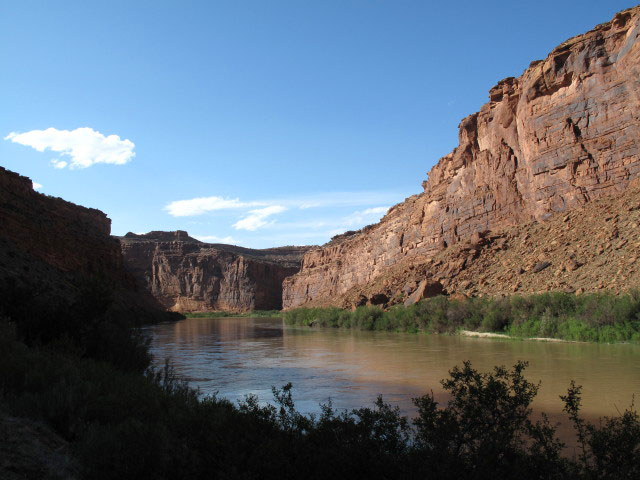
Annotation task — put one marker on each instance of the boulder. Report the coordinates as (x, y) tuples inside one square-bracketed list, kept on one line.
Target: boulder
[(540, 266), (426, 289)]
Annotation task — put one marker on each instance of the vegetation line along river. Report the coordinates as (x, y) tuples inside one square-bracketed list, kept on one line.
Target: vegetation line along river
[(234, 357)]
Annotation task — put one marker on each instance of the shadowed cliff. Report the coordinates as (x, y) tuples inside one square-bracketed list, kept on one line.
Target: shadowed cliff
[(184, 274), (51, 250)]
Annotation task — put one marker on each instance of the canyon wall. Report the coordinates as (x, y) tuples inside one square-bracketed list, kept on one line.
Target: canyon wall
[(562, 134), (66, 236), (50, 249), (187, 275)]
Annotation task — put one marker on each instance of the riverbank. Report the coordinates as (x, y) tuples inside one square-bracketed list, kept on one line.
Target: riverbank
[(469, 333), (598, 317), (221, 314), (116, 423)]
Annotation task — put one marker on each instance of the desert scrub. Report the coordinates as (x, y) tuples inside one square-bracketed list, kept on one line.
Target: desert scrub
[(597, 317)]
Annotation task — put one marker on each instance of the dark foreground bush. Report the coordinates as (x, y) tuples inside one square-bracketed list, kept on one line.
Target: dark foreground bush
[(126, 425), (593, 317), (83, 325)]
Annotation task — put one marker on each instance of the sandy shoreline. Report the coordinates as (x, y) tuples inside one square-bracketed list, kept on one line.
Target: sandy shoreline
[(469, 333)]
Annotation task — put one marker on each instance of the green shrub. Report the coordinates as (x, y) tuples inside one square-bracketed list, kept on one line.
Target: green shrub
[(125, 425), (365, 317), (594, 317)]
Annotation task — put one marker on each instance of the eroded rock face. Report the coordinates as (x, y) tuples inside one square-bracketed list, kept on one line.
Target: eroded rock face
[(61, 234), (185, 275), (50, 247), (562, 134)]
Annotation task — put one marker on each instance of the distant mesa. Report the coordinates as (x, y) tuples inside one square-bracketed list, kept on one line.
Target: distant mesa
[(178, 235), (187, 275)]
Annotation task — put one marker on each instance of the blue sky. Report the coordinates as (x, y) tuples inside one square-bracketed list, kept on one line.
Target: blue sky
[(260, 123)]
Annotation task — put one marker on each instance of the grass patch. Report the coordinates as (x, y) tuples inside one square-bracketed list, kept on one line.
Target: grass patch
[(598, 317)]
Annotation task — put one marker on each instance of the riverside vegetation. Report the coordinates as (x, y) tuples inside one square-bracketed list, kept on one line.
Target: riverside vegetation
[(87, 377), (250, 314), (598, 317)]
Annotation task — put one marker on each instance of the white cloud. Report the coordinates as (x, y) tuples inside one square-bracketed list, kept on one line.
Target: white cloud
[(36, 185), (215, 239), (202, 205), (326, 215), (375, 211), (369, 215), (84, 146), (58, 163), (341, 199), (258, 218), (304, 206), (198, 206)]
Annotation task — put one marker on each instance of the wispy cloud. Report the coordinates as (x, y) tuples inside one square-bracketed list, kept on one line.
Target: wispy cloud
[(309, 218), (340, 199), (304, 206), (215, 239), (258, 218), (365, 216), (329, 227), (84, 146), (36, 185), (58, 163), (201, 205)]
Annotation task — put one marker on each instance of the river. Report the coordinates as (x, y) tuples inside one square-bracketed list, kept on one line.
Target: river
[(234, 357)]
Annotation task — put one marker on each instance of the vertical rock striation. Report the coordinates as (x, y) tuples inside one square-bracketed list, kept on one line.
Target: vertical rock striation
[(184, 274), (565, 132)]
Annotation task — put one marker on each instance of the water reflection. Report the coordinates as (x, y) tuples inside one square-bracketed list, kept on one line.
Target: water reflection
[(238, 356)]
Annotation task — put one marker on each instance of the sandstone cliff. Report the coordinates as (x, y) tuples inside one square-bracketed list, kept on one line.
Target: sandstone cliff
[(562, 134), (593, 248), (50, 248), (184, 274)]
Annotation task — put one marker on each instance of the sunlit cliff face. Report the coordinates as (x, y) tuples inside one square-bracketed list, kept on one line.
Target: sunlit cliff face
[(560, 135)]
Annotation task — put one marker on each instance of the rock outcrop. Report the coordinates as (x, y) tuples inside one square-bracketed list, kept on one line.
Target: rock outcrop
[(187, 275), (50, 248), (593, 248), (564, 133)]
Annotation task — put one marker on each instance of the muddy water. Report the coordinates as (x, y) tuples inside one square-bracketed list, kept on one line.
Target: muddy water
[(239, 356)]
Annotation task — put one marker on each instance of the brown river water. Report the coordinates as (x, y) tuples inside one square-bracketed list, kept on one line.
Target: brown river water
[(239, 356)]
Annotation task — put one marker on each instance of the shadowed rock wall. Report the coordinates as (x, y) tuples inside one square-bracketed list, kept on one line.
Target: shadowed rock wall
[(50, 249), (184, 274)]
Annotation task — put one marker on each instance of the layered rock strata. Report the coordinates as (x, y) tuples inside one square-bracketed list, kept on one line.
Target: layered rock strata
[(562, 134), (593, 248), (50, 248), (187, 275)]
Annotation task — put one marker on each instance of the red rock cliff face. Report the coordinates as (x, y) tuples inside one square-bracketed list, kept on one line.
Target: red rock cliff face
[(50, 248), (66, 236), (184, 274), (565, 132)]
